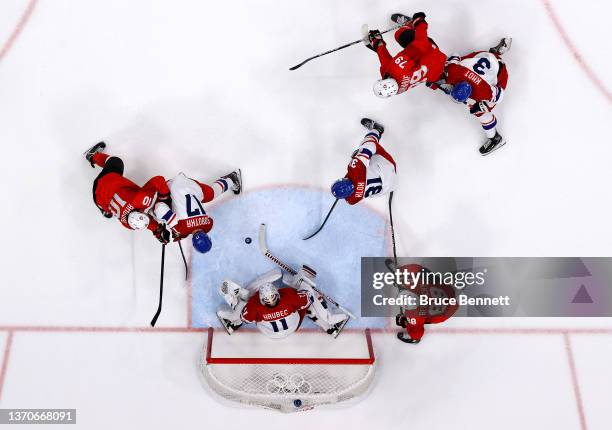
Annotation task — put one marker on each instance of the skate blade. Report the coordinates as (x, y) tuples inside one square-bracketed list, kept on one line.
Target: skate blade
[(337, 332), (228, 329), (493, 150)]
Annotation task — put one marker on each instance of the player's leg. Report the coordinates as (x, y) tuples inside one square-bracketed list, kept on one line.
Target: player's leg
[(109, 164), (319, 311), (231, 181), (236, 298), (488, 121)]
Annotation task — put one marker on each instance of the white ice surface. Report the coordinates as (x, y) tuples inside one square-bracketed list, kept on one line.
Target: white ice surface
[(204, 87)]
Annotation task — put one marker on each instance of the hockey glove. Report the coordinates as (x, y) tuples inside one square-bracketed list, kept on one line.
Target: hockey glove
[(162, 234), (375, 40), (418, 17), (480, 107), (401, 320), (165, 198), (453, 59)]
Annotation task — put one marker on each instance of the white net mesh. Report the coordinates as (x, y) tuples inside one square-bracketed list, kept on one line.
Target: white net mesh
[(288, 387)]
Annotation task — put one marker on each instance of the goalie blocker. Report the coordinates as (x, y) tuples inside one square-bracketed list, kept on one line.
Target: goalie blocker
[(278, 311)]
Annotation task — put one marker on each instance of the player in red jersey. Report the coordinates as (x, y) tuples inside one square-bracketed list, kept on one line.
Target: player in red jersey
[(278, 311), (419, 61), (414, 318), (371, 171), (479, 80), (117, 196)]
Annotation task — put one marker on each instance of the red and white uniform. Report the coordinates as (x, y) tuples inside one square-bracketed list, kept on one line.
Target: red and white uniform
[(372, 170), (419, 62), (484, 71), (118, 195), (423, 314), (187, 198), (488, 76), (281, 320)]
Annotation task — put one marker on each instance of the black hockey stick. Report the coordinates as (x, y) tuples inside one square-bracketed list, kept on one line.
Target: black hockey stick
[(263, 247), (392, 229), (184, 261), (324, 221), (337, 49), (161, 287)]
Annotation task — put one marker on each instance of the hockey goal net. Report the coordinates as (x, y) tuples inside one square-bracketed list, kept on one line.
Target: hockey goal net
[(298, 373)]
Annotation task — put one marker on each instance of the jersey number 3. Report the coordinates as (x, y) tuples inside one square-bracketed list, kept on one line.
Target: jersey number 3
[(481, 65)]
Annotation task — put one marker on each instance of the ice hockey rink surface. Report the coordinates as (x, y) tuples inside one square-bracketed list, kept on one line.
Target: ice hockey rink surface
[(203, 88)]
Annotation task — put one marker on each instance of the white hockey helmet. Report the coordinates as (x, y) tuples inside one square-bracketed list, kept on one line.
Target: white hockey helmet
[(384, 88), (268, 294), (138, 220)]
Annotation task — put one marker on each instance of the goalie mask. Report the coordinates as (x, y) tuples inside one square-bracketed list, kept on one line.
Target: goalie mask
[(138, 220), (384, 88), (268, 294)]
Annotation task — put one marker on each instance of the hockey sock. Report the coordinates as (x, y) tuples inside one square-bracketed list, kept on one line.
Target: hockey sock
[(99, 159), (489, 124), (218, 187)]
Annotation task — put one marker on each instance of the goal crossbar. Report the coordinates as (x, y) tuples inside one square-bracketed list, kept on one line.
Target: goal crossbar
[(291, 360)]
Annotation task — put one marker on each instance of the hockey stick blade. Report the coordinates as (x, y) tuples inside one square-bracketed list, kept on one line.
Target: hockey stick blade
[(263, 247), (264, 250), (297, 66), (324, 221), (161, 287)]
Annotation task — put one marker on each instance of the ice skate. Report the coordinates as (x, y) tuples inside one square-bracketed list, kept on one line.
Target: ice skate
[(98, 147), (404, 337), (492, 144), (236, 178), (370, 124), (400, 19), (337, 329), (502, 47)]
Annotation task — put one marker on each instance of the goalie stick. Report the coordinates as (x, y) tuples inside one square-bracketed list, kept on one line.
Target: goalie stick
[(297, 66), (264, 250)]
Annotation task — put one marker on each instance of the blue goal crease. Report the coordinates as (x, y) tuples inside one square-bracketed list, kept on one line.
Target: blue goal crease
[(290, 214)]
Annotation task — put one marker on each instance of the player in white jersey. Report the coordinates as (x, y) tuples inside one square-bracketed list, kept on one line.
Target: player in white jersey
[(371, 171), (187, 215), (278, 311), (479, 81)]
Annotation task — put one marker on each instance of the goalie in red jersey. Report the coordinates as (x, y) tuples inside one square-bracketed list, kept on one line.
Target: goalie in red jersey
[(278, 311), (420, 61), (414, 318), (371, 171)]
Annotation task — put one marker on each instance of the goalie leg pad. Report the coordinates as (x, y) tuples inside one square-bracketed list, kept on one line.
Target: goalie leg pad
[(233, 293), (319, 311)]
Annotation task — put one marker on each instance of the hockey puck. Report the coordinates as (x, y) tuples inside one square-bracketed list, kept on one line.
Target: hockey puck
[(247, 240)]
